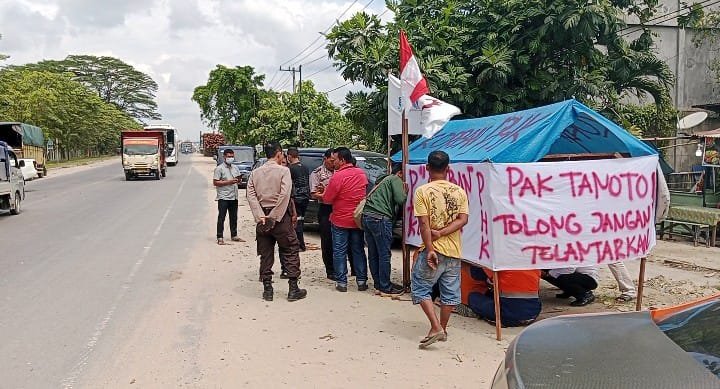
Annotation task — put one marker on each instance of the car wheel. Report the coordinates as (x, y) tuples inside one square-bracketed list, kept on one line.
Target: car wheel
[(16, 209)]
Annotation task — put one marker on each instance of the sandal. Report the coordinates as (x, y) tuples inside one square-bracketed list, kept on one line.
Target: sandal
[(623, 298), (220, 241), (430, 339)]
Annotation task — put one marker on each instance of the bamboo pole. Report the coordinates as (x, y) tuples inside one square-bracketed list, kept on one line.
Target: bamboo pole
[(641, 284), (496, 298), (405, 248)]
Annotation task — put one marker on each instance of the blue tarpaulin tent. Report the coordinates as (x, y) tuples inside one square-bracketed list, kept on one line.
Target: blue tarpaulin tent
[(568, 127)]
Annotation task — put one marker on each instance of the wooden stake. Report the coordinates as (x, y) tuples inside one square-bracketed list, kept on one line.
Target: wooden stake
[(496, 298), (405, 248), (641, 284)]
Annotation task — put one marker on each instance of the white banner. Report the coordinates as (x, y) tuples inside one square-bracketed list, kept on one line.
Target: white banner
[(547, 215)]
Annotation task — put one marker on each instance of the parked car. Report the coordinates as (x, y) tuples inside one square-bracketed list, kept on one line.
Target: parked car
[(245, 158), (29, 171), (677, 347), (374, 165)]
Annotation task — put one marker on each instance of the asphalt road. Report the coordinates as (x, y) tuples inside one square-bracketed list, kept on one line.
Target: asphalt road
[(87, 256)]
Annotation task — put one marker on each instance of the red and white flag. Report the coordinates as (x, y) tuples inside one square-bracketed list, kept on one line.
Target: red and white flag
[(413, 82), (425, 118)]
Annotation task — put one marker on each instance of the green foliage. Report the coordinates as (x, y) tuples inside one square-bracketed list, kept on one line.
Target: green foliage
[(495, 56), (230, 100), (65, 109), (647, 121), (113, 80), (235, 103)]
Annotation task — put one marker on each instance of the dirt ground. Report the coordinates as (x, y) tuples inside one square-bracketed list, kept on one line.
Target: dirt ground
[(215, 331)]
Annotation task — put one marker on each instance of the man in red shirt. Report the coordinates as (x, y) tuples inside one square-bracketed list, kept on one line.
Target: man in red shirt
[(346, 189)]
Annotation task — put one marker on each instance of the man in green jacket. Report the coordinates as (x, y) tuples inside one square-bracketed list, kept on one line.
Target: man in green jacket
[(378, 218)]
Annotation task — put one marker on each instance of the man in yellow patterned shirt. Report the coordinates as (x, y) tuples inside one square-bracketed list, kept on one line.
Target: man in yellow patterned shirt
[(442, 210)]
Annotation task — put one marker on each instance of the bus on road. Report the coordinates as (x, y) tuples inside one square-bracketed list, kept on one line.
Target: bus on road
[(172, 135)]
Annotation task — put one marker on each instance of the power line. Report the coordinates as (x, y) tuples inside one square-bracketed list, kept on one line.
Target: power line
[(339, 87), (326, 31), (273, 78), (277, 82), (315, 60), (282, 82), (642, 27), (322, 34), (320, 71)]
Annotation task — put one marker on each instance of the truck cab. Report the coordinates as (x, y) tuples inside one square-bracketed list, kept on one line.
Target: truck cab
[(143, 153), (12, 184)]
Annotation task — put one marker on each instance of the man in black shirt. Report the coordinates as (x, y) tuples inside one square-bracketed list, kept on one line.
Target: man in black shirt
[(300, 192)]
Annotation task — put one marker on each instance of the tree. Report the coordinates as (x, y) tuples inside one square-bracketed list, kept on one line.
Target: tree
[(65, 109), (323, 123), (496, 56), (229, 100), (113, 80)]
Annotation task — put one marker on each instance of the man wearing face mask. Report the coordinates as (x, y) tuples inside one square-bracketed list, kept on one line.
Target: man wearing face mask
[(225, 181)]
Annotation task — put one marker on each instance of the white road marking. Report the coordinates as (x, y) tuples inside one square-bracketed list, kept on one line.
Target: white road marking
[(70, 380)]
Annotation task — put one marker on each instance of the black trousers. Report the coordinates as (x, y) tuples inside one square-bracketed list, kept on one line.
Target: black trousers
[(326, 241), (300, 209), (224, 207), (574, 284)]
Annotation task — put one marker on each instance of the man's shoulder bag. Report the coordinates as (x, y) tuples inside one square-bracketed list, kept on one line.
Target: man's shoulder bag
[(357, 214)]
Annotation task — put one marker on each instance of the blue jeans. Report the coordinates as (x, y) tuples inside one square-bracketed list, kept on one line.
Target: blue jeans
[(352, 239), (379, 238), (446, 275)]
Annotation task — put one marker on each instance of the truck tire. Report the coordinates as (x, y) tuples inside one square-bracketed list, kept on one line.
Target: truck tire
[(16, 209), (127, 176), (157, 174)]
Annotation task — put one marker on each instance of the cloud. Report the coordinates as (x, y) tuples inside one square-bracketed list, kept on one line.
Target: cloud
[(178, 42), (92, 14), (187, 15)]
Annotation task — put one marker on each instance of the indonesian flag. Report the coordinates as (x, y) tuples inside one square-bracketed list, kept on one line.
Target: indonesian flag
[(425, 118), (413, 82), (435, 114)]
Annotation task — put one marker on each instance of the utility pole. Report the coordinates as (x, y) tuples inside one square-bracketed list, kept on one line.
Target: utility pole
[(293, 70), (300, 127), (297, 89)]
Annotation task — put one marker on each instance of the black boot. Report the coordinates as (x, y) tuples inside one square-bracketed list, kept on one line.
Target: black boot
[(267, 290), (295, 293)]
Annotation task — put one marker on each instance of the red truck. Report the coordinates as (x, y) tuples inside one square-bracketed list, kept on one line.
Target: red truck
[(143, 153)]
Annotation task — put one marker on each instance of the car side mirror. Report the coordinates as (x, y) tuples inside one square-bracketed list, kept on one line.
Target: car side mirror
[(22, 163)]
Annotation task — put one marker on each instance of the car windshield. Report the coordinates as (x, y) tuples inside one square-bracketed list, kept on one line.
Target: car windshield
[(241, 155), (697, 331), (140, 149), (373, 166)]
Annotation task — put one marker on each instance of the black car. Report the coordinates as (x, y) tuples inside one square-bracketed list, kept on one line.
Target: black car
[(676, 347), (245, 158), (374, 165)]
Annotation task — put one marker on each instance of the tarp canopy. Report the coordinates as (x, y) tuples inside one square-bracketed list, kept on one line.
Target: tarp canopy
[(31, 135), (568, 127)]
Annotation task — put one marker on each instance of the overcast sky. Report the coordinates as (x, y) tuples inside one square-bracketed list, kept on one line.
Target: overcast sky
[(178, 42)]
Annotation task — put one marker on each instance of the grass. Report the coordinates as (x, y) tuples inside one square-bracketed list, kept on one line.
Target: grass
[(78, 162)]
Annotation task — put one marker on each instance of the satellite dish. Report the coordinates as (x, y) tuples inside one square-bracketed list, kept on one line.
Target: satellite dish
[(692, 120)]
